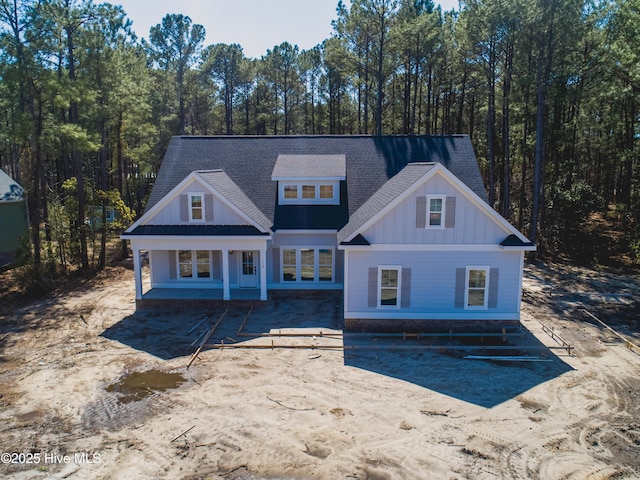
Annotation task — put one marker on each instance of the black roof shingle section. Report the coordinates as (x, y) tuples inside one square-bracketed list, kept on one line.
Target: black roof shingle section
[(370, 161), (196, 230)]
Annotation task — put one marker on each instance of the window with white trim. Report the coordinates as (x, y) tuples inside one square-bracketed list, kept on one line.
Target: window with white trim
[(307, 264), (194, 264), (435, 211), (309, 193), (389, 280), (290, 192), (289, 265), (196, 207), (477, 288)]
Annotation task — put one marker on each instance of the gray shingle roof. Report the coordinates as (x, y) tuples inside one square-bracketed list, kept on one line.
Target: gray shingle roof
[(310, 166), (221, 182), (10, 191), (370, 163), (385, 195)]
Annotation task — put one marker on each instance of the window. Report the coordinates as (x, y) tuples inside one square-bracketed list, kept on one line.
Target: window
[(196, 207), (477, 287), (308, 191), (307, 265), (389, 287), (325, 265), (109, 214), (326, 191), (185, 265), (194, 264), (289, 269), (435, 214), (291, 191), (203, 263)]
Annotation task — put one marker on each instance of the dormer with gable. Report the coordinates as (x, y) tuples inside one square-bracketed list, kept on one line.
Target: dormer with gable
[(309, 179)]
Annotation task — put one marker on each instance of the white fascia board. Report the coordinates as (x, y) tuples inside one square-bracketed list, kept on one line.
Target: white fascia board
[(396, 201), (394, 315), (423, 247), (482, 205), (230, 204), (175, 191), (461, 186), (164, 201)]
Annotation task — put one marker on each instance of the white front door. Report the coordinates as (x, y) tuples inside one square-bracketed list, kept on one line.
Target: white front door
[(249, 269)]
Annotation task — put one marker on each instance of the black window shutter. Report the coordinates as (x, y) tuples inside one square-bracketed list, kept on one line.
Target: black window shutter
[(450, 212), (184, 208), (405, 294)]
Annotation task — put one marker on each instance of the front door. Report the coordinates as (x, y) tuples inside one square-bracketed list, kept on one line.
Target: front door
[(248, 270)]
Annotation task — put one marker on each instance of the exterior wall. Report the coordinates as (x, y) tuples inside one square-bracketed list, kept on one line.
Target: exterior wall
[(433, 283), (472, 225), (222, 214), (13, 219)]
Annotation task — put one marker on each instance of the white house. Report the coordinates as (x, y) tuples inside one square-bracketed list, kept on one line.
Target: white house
[(400, 224)]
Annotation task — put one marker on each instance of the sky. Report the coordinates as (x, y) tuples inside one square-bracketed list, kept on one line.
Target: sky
[(257, 25)]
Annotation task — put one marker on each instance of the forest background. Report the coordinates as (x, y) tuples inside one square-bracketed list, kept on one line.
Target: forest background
[(547, 90)]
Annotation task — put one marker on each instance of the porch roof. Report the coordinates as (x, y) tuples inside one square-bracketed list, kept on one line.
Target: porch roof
[(195, 231)]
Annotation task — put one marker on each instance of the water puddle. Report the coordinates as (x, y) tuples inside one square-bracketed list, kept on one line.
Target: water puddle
[(135, 386)]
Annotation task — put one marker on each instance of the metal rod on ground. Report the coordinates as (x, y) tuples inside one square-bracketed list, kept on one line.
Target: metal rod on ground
[(631, 346), (197, 325), (206, 337)]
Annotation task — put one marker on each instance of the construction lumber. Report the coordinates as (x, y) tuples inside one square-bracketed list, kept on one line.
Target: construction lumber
[(630, 345), (206, 338), (508, 358)]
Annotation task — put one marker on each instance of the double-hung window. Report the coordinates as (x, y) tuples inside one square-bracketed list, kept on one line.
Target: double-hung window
[(307, 264), (477, 283), (194, 264), (196, 207), (435, 211), (389, 280)]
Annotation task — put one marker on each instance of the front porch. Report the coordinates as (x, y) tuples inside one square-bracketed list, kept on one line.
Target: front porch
[(200, 294)]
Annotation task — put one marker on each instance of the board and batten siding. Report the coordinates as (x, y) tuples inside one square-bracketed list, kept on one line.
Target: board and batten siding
[(405, 224), (222, 215), (433, 280)]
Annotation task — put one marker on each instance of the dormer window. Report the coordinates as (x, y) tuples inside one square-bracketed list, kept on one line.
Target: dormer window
[(196, 207), (326, 191), (290, 192), (309, 179), (308, 191)]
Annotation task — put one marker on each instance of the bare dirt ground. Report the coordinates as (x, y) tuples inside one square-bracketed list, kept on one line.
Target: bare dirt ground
[(82, 393)]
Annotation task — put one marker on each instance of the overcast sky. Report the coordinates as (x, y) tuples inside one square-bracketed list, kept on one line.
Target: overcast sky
[(257, 25)]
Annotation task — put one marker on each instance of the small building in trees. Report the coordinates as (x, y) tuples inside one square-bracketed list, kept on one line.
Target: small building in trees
[(13, 218)]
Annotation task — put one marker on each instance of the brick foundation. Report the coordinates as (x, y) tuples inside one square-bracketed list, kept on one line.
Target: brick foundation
[(429, 326)]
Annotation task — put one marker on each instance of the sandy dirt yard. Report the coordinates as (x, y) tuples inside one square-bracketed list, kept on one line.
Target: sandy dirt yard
[(92, 389)]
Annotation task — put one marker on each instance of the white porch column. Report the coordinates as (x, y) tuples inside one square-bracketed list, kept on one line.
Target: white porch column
[(226, 288), (263, 273), (137, 273)]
